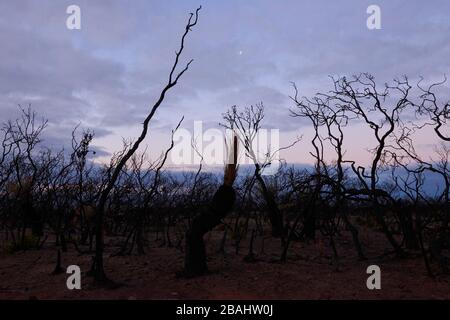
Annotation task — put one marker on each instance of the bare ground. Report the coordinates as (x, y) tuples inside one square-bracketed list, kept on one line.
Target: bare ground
[(307, 274)]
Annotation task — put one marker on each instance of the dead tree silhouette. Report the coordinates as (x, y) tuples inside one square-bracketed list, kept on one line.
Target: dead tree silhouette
[(97, 267), (221, 204), (361, 99), (25, 138), (248, 124), (439, 114), (323, 114)]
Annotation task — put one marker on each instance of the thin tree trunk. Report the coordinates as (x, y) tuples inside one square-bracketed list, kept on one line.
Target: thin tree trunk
[(275, 216)]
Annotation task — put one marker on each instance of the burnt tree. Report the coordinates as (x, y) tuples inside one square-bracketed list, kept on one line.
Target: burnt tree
[(247, 124), (97, 266), (221, 204)]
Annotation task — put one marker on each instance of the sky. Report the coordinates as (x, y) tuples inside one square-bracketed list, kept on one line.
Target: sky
[(107, 75)]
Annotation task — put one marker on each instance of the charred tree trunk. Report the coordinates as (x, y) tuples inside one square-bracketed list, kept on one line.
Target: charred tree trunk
[(140, 241), (58, 268), (309, 226), (275, 216), (407, 227), (97, 269), (221, 205), (355, 236)]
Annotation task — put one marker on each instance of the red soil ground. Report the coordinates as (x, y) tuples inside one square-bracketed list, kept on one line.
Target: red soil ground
[(307, 274)]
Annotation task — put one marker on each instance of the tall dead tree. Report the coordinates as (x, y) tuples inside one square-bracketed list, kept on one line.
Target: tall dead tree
[(312, 111), (174, 76), (408, 158), (248, 124), (361, 99), (221, 204), (323, 114), (439, 114)]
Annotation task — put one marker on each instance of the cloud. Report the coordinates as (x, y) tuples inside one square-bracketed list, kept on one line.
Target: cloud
[(109, 74)]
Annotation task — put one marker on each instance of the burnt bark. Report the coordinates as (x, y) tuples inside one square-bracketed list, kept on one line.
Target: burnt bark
[(221, 205), (275, 217)]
